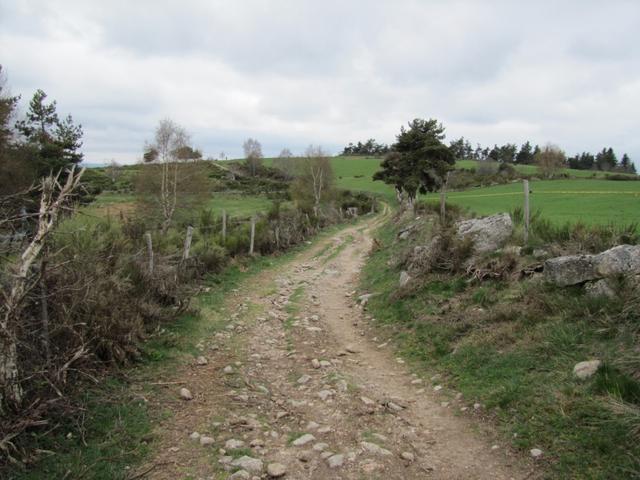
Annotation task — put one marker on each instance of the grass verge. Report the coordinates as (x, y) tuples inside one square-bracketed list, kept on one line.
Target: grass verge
[(511, 346)]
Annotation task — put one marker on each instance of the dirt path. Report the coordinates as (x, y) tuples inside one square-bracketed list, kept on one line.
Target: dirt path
[(299, 379)]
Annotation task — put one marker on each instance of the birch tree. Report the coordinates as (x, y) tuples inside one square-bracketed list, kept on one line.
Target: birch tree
[(170, 139), (314, 180)]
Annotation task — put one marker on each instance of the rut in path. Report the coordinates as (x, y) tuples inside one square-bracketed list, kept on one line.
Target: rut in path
[(300, 379)]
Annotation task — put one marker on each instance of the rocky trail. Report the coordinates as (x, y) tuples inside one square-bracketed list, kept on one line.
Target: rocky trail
[(299, 385)]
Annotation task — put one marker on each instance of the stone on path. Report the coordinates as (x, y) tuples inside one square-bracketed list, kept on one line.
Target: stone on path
[(240, 475), (375, 449), (228, 370), (248, 463), (233, 444), (584, 370), (304, 379), (185, 394), (201, 360), (204, 440), (315, 363), (303, 440), (408, 456), (335, 461), (276, 470)]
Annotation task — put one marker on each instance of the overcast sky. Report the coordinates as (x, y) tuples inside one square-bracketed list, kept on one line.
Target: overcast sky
[(291, 73)]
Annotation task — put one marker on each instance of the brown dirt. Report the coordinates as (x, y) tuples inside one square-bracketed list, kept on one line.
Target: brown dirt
[(280, 322)]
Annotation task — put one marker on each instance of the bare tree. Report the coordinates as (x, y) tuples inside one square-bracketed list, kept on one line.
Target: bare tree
[(314, 177), (113, 170), (53, 197), (252, 154), (550, 160), (285, 162), (170, 139)]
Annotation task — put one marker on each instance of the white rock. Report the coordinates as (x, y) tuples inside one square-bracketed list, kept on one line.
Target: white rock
[(233, 443), (228, 370), (437, 388), (325, 394), (276, 470), (185, 394), (320, 447), (304, 379), (194, 436), (410, 457), (584, 370), (335, 461), (315, 363), (247, 463), (303, 440), (405, 278), (535, 452), (204, 440), (240, 475), (375, 449), (201, 360), (325, 363)]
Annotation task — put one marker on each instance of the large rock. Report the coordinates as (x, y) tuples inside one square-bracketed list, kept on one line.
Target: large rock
[(586, 369), (575, 269), (488, 233), (620, 260), (569, 270)]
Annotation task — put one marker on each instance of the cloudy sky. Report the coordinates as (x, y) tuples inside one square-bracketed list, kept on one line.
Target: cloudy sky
[(291, 73)]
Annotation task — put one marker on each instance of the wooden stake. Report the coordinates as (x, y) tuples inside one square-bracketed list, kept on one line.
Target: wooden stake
[(253, 234), (147, 237), (526, 211), (224, 226), (187, 243)]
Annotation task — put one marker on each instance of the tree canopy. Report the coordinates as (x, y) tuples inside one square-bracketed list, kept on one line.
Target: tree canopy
[(419, 160)]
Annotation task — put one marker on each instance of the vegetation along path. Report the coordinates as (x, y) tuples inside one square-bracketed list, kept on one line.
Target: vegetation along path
[(299, 385)]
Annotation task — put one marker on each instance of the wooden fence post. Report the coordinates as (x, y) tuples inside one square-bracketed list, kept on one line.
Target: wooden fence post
[(526, 211), (253, 234), (224, 226), (147, 237), (187, 243), (443, 205)]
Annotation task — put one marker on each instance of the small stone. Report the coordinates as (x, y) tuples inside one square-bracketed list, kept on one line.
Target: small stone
[(204, 440), (305, 456), (584, 370), (535, 452), (201, 360), (315, 363), (174, 449), (304, 379), (325, 363), (276, 470), (233, 444), (325, 394), (417, 381), (312, 425), (367, 401), (303, 440), (320, 447), (247, 463), (477, 406), (408, 456), (335, 461), (257, 442), (495, 447), (437, 388), (444, 404), (194, 436), (324, 430), (185, 394), (240, 475), (228, 370), (394, 406), (379, 436), (327, 454), (351, 349), (375, 449)]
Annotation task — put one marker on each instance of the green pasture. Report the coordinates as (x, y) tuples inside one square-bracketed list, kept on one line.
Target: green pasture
[(588, 201), (238, 205)]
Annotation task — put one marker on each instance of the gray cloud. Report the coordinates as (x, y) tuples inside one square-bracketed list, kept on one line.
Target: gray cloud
[(293, 73)]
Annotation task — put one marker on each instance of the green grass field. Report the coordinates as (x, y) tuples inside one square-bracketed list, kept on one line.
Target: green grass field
[(561, 201), (238, 205)]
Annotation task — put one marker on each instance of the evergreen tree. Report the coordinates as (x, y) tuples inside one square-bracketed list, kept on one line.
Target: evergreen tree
[(419, 160), (525, 155)]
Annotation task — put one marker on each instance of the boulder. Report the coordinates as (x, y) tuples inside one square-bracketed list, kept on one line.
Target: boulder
[(575, 269), (569, 270), (487, 233), (620, 260)]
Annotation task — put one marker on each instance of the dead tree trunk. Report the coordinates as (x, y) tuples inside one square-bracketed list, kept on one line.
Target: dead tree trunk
[(253, 234), (52, 199), (187, 243), (147, 237)]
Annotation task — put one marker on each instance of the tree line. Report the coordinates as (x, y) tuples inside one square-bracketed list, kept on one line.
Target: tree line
[(526, 154)]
